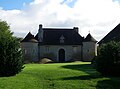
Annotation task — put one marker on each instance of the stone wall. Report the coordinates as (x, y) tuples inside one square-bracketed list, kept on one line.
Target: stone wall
[(89, 50), (72, 52), (30, 51), (54, 49)]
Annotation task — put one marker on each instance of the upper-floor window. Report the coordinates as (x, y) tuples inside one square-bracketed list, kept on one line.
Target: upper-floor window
[(62, 39)]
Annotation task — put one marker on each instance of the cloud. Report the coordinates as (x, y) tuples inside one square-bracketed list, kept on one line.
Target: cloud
[(96, 16)]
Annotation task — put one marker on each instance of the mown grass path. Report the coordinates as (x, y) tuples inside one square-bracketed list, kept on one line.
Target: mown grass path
[(77, 75)]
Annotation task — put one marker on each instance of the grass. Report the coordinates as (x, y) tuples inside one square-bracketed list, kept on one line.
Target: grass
[(77, 75)]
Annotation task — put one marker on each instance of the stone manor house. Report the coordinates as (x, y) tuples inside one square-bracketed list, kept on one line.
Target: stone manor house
[(59, 45)]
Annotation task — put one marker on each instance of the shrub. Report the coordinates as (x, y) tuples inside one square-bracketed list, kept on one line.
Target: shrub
[(11, 61), (108, 60)]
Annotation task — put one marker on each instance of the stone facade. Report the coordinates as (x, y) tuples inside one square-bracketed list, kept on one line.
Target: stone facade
[(59, 44), (30, 51), (55, 51), (89, 51)]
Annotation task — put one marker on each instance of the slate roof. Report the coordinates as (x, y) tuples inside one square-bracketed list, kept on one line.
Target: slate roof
[(29, 38), (89, 38), (51, 36), (113, 35)]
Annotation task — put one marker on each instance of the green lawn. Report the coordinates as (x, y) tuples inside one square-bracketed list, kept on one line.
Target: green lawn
[(77, 75)]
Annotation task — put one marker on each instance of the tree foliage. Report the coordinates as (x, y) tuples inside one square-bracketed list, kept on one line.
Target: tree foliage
[(108, 60), (11, 61)]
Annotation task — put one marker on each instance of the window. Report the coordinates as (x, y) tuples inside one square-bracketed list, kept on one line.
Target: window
[(62, 38), (75, 49), (34, 51), (47, 49), (61, 41), (88, 50), (24, 51)]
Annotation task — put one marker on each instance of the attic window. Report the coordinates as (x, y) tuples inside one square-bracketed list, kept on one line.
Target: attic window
[(62, 39), (24, 51)]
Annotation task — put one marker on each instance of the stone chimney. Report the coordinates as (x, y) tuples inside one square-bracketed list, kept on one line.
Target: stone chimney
[(40, 33), (76, 29)]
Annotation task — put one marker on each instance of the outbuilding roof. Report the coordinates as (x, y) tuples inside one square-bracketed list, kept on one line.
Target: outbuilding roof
[(113, 35)]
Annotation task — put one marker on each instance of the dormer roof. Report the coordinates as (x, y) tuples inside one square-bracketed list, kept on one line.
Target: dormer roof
[(89, 38), (29, 38), (62, 37)]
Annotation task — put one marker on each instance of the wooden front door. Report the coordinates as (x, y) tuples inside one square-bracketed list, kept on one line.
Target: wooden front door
[(61, 55)]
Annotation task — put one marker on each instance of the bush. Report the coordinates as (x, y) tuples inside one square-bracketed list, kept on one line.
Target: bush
[(108, 60), (11, 61)]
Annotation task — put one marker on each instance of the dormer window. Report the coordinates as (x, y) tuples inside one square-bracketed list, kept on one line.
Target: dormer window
[(62, 39)]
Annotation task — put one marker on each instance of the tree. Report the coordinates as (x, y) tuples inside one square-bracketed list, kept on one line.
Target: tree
[(11, 61), (108, 60)]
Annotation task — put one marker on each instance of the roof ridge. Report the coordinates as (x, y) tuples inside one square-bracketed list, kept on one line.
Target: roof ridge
[(58, 29)]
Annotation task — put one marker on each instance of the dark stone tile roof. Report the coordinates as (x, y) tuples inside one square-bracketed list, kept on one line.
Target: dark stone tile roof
[(52, 36), (89, 38), (113, 35), (29, 38)]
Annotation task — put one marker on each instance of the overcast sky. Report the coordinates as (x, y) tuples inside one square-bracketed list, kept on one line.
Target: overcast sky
[(95, 16)]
